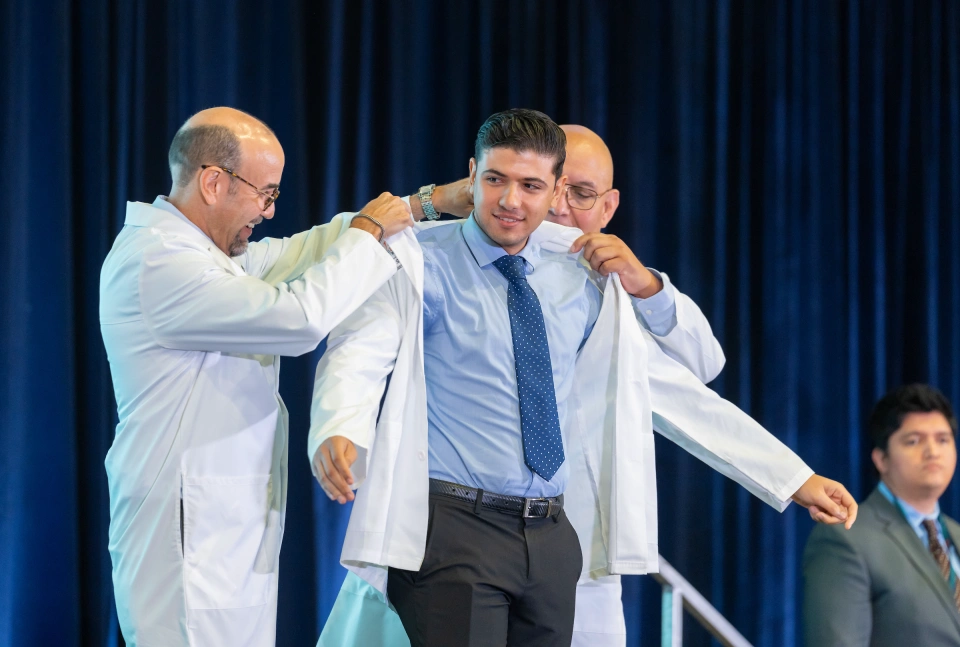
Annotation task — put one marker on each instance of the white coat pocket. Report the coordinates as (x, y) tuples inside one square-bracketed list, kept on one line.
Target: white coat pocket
[(224, 521)]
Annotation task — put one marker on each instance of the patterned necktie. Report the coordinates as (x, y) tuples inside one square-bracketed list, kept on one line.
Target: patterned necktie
[(941, 557), (539, 421)]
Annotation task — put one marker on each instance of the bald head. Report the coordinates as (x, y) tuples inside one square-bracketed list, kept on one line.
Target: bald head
[(591, 151), (216, 136), (226, 167), (589, 171)]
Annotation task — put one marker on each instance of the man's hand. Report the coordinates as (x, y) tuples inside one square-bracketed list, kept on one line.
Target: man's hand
[(828, 501), (332, 462), (455, 198), (390, 211), (606, 253)]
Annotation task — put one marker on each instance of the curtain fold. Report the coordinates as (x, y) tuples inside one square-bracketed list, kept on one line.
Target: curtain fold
[(794, 166)]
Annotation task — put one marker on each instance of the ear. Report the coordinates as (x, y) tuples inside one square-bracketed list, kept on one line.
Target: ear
[(558, 188), (472, 175), (210, 185), (610, 203), (879, 458)]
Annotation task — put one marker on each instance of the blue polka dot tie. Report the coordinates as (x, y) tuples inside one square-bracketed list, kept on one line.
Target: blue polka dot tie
[(539, 422)]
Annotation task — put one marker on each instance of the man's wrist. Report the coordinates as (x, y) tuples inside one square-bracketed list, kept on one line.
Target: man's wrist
[(415, 207), (366, 225), (440, 200), (425, 195), (653, 287)]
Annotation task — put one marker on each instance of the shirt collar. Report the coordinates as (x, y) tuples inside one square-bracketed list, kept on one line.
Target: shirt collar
[(485, 251), (914, 517)]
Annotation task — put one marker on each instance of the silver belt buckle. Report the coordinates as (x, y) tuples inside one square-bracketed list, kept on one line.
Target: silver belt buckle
[(526, 507)]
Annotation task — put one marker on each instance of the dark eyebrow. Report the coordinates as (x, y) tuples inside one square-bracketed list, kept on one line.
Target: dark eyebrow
[(587, 185), (272, 185), (526, 179), (936, 432)]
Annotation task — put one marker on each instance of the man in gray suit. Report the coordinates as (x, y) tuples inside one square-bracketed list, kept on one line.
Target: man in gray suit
[(893, 578)]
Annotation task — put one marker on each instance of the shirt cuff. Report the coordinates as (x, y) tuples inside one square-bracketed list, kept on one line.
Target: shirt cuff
[(658, 313)]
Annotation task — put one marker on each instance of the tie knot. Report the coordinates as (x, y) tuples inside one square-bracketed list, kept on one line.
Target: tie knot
[(510, 266), (930, 526)]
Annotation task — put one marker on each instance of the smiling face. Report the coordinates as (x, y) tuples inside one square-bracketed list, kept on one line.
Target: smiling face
[(242, 206), (512, 193), (920, 459)]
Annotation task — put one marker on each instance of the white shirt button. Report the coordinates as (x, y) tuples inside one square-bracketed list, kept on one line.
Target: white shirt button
[(649, 312)]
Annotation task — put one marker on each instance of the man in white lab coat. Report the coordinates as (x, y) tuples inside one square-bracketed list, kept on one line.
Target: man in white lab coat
[(194, 318), (388, 526)]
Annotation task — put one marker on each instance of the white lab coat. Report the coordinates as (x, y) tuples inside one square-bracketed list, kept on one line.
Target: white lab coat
[(611, 494), (193, 342)]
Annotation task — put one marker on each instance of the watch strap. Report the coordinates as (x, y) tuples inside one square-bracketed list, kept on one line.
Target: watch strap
[(426, 201)]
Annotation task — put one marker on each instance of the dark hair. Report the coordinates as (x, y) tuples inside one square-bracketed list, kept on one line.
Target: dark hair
[(888, 414), (193, 146), (523, 130)]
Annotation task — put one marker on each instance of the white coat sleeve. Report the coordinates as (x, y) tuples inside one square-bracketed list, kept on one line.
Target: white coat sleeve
[(278, 260), (718, 433), (352, 375), (191, 303), (680, 328)]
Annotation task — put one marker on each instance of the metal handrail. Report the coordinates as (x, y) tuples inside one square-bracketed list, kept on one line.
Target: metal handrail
[(678, 594)]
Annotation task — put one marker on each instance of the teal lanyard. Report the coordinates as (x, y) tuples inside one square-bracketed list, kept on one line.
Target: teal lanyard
[(946, 539)]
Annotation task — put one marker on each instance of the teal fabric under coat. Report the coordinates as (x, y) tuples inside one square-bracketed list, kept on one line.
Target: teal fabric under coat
[(362, 617)]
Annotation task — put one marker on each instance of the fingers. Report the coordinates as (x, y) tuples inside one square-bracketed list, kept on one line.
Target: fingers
[(603, 255), (391, 212), (580, 242), (822, 499), (833, 504), (334, 473), (848, 502), (820, 516), (593, 243)]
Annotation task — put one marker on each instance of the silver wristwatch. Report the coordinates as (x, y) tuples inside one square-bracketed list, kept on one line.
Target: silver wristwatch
[(426, 201)]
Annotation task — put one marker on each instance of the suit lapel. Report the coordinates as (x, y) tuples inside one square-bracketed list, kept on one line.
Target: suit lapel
[(906, 539)]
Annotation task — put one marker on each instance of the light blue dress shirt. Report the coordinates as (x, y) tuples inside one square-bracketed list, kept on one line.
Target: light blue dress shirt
[(473, 410), (915, 519)]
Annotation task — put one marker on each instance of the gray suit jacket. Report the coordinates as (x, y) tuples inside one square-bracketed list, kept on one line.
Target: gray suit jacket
[(876, 584)]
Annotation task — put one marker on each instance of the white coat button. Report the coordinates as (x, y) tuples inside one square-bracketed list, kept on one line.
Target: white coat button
[(422, 456)]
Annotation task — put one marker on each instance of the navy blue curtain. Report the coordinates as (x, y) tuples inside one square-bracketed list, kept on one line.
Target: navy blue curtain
[(795, 167)]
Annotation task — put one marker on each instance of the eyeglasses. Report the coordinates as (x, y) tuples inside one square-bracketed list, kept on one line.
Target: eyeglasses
[(268, 198), (580, 197)]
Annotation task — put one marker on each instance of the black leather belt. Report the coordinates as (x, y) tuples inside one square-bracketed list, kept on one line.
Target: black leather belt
[(518, 505)]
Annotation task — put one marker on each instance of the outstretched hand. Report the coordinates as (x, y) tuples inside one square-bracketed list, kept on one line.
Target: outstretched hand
[(332, 462), (827, 501)]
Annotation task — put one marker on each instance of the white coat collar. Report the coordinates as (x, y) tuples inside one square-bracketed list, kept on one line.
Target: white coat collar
[(166, 217), (549, 237)]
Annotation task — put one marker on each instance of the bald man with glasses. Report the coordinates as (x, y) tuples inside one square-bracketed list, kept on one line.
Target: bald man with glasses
[(194, 319)]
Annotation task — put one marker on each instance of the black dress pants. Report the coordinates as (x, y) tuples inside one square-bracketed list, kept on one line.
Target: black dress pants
[(490, 579)]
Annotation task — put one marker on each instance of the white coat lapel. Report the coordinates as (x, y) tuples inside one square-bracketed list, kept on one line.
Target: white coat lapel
[(633, 492), (407, 250), (611, 444)]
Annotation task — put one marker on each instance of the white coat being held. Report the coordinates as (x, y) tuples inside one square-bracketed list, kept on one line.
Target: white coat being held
[(625, 386)]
